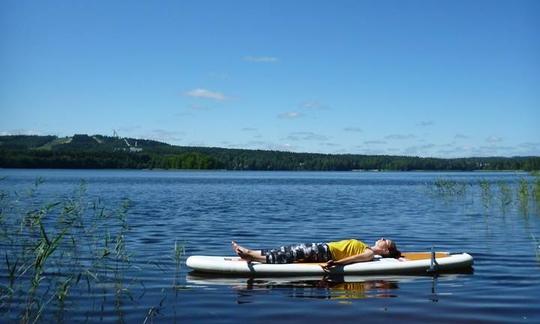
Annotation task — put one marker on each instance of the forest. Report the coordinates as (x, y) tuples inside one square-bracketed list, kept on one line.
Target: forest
[(83, 151)]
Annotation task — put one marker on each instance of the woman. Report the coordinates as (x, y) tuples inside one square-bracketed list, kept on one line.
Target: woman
[(329, 254)]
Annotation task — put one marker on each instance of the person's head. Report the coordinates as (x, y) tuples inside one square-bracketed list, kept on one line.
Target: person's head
[(387, 248)]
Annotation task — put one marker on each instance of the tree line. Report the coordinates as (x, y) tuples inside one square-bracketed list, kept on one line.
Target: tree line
[(207, 159), (82, 151)]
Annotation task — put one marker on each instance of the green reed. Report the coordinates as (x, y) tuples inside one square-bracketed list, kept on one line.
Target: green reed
[(485, 186), (179, 252), (505, 195), (523, 196), (59, 237), (449, 188), (537, 188)]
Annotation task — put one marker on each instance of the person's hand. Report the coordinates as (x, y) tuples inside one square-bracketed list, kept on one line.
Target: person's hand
[(328, 265)]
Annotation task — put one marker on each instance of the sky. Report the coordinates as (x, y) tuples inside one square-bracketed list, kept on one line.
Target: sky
[(416, 78)]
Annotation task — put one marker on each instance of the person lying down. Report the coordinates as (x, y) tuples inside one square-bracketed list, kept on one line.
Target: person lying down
[(329, 254)]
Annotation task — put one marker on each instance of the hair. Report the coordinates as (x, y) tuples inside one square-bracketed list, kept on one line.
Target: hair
[(393, 252)]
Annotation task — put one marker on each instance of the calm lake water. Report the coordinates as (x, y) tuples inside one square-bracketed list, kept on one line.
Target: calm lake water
[(203, 211)]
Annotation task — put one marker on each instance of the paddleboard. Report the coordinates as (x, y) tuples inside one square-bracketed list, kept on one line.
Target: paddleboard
[(410, 263)]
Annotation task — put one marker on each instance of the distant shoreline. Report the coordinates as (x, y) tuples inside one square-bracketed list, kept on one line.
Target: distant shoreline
[(271, 171), (104, 152)]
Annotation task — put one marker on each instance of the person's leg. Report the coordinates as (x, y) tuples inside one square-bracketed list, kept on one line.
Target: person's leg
[(305, 252), (247, 254)]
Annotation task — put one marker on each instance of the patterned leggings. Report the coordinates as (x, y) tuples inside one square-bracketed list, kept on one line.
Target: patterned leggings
[(305, 252)]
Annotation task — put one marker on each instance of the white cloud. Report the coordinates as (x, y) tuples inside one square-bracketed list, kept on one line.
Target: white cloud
[(249, 129), (419, 149), (290, 115), (261, 59), (461, 136), (353, 129), (206, 94), (400, 136), (313, 105), (425, 123), (284, 147), (129, 129), (373, 152), (219, 75), (494, 139), (163, 135), (306, 136), (375, 142), (329, 144), (197, 144), (198, 107), (529, 145), (20, 132)]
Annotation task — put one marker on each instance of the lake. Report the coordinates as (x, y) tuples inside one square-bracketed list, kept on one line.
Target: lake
[(121, 256)]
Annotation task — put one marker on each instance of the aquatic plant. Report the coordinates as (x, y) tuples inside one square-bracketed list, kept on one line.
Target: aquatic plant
[(523, 195), (448, 188), (485, 186), (536, 243), (537, 188), (65, 237), (179, 251), (505, 195)]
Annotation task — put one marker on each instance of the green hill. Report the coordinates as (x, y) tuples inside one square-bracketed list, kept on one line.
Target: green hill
[(98, 151)]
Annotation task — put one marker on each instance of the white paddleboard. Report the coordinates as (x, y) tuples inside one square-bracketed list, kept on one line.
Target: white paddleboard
[(411, 263)]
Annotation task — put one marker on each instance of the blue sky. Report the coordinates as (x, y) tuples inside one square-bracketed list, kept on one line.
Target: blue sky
[(425, 78)]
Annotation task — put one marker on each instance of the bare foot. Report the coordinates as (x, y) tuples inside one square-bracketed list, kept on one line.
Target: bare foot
[(241, 251)]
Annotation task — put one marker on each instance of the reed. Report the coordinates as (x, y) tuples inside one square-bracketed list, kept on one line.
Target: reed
[(537, 188), (449, 188), (77, 243), (523, 196), (536, 247), (505, 195), (485, 186), (179, 252)]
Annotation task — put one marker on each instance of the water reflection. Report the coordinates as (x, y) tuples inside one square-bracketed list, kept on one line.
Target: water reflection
[(312, 287)]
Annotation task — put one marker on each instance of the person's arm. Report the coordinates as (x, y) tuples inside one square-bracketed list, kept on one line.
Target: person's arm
[(362, 257)]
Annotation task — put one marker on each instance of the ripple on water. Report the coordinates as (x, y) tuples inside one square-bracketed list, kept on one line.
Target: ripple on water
[(203, 211)]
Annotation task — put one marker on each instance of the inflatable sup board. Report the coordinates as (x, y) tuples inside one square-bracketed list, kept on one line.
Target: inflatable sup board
[(409, 263)]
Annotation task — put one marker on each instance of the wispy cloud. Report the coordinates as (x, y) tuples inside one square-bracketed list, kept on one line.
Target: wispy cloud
[(198, 107), (218, 75), (164, 135), (306, 136), (261, 59), (129, 129), (249, 129), (313, 105), (529, 145), (206, 94), (399, 136), (496, 148), (461, 136), (197, 144), (373, 151), (290, 115), (353, 129), (329, 144), (425, 123), (374, 142), (494, 139), (20, 131), (419, 149)]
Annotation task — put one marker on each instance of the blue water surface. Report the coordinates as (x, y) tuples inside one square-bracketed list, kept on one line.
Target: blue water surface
[(202, 211)]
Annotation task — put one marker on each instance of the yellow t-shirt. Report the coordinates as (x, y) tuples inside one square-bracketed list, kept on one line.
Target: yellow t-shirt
[(346, 248)]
